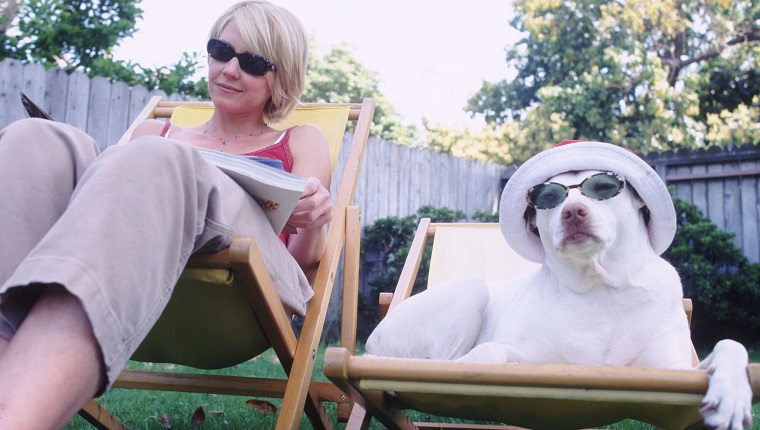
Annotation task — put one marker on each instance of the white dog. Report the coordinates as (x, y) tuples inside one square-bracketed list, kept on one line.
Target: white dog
[(604, 296)]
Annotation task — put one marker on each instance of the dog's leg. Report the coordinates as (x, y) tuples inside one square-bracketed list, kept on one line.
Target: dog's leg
[(728, 402), (440, 323), (489, 352)]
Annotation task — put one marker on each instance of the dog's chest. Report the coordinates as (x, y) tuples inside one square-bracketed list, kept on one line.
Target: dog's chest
[(600, 335), (597, 328)]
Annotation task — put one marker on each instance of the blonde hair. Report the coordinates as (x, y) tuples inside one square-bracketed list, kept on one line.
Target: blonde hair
[(278, 35)]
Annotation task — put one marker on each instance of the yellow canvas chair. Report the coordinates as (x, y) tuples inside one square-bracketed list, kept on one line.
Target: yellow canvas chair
[(225, 310), (533, 396)]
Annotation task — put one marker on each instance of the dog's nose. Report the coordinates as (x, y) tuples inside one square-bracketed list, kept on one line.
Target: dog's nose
[(574, 213)]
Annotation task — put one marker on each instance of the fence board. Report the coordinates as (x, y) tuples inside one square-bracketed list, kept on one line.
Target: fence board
[(77, 99), (463, 172), (415, 180), (427, 188), (34, 81), (394, 179), (699, 189), (99, 101), (118, 108), (404, 188), (715, 198), (56, 91), (750, 208), (372, 187), (732, 199), (684, 189), (138, 98), (384, 171), (724, 186), (10, 85)]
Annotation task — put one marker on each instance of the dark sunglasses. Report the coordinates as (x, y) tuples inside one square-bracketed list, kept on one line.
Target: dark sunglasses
[(601, 186), (253, 64)]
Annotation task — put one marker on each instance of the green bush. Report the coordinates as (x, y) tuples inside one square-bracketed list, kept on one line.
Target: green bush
[(486, 216), (723, 285), (385, 245)]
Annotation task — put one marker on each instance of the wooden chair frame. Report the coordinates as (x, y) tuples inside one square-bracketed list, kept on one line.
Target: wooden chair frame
[(384, 387), (297, 356)]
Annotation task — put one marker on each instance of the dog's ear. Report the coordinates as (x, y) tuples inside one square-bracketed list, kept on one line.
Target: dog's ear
[(645, 213), (530, 221)]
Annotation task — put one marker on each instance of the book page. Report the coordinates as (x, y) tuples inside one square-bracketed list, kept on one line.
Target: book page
[(276, 190)]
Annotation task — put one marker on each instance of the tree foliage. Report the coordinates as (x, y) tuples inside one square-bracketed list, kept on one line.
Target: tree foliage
[(80, 35), (386, 244), (338, 77), (72, 34), (650, 75)]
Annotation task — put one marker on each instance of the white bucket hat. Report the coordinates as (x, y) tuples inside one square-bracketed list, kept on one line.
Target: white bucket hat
[(581, 155)]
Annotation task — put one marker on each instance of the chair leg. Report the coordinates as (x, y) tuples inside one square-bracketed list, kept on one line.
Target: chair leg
[(316, 412), (359, 419), (99, 417)]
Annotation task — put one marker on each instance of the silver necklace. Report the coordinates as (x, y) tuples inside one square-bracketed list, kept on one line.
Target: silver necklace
[(224, 141)]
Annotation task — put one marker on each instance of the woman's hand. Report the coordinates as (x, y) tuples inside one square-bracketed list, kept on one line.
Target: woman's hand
[(314, 208)]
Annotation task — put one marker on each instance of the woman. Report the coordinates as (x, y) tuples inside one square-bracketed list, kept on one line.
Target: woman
[(94, 243)]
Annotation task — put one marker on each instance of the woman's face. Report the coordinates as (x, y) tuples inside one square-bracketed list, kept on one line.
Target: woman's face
[(232, 89)]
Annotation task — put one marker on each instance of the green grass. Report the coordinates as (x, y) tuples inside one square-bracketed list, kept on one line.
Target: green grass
[(143, 410)]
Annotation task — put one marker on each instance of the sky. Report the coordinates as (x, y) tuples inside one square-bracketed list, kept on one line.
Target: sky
[(430, 56)]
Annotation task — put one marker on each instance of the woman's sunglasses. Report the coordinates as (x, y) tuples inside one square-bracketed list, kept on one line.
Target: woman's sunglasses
[(253, 64), (601, 186)]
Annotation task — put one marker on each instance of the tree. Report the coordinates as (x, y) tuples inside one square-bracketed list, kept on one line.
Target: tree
[(172, 79), (488, 144), (72, 34), (79, 36), (7, 13), (645, 74), (338, 77)]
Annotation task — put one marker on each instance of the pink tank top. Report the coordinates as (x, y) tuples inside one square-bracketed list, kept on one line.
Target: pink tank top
[(279, 150)]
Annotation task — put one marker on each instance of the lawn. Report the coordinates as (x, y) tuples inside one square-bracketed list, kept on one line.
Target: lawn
[(147, 410)]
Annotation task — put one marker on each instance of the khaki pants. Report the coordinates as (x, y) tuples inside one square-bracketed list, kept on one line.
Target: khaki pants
[(116, 229)]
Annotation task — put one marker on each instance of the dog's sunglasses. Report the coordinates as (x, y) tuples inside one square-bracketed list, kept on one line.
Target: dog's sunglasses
[(601, 186), (253, 64)]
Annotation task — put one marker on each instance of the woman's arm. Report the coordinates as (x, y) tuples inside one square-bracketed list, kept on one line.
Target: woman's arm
[(311, 160)]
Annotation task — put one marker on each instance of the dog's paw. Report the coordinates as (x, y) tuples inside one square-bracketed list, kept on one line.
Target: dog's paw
[(728, 402)]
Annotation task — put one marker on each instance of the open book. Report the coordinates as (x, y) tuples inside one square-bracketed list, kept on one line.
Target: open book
[(276, 190)]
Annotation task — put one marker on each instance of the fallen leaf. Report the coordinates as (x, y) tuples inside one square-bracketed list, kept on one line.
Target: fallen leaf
[(165, 421), (198, 418), (262, 406)]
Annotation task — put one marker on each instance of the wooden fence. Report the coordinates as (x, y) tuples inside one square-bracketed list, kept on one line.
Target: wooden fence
[(724, 184), (395, 180), (101, 108)]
